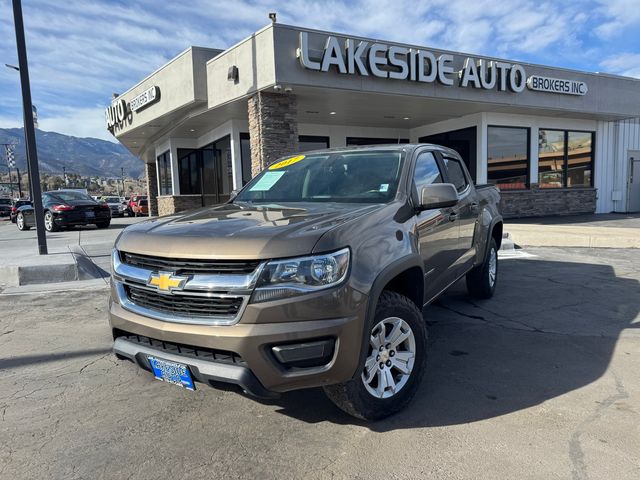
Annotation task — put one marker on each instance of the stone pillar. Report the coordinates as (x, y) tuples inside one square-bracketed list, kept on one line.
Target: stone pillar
[(273, 128), (152, 187)]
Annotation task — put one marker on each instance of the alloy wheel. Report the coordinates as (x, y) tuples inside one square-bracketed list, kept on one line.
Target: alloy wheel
[(493, 267), (392, 352)]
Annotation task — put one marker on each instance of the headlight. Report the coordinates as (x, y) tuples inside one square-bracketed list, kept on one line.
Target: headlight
[(296, 276)]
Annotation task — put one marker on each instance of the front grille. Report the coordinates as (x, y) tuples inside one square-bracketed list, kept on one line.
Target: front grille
[(185, 305), (189, 266), (202, 353)]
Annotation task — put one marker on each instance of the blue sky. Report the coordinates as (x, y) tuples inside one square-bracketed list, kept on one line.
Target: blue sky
[(80, 51)]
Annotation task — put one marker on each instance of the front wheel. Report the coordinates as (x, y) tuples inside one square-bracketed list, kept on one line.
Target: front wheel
[(482, 280), (21, 222), (394, 365)]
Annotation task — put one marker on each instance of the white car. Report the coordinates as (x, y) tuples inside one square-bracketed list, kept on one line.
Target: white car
[(116, 206)]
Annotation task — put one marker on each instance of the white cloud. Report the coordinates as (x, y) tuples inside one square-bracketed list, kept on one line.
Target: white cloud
[(619, 16), (627, 64), (78, 122)]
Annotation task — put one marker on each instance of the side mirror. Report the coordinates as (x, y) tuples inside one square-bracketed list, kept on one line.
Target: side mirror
[(438, 195)]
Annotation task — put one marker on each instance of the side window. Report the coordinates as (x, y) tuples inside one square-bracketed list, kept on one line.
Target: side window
[(427, 171), (455, 173)]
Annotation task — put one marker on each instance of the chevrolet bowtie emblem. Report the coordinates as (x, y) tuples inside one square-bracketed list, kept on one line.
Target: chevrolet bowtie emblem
[(166, 281)]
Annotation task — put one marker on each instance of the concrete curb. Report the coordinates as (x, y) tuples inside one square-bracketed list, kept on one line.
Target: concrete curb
[(96, 284), (574, 236)]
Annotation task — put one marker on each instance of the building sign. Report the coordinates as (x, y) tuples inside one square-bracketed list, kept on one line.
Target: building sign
[(121, 110), (556, 85), (116, 113), (145, 98), (360, 57)]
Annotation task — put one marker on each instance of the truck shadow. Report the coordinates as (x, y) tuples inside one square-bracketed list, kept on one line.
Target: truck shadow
[(550, 329)]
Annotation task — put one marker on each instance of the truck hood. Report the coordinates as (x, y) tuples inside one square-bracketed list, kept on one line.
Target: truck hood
[(240, 231)]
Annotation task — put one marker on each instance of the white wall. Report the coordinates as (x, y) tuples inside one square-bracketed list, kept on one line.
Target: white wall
[(613, 142)]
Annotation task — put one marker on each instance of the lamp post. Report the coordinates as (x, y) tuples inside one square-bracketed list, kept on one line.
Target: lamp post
[(29, 129)]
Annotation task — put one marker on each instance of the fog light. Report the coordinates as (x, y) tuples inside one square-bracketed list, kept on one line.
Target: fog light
[(305, 355)]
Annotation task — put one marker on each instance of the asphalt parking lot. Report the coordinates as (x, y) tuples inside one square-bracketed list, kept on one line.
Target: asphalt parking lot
[(539, 382)]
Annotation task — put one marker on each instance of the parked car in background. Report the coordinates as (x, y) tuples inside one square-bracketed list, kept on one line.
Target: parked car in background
[(133, 201), (14, 208), (5, 207), (65, 208), (116, 205), (141, 207)]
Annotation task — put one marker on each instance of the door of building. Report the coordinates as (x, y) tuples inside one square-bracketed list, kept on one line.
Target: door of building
[(633, 182)]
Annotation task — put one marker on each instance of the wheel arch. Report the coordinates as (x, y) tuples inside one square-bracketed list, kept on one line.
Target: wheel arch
[(404, 276)]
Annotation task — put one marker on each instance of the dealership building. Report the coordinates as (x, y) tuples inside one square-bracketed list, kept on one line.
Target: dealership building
[(555, 141)]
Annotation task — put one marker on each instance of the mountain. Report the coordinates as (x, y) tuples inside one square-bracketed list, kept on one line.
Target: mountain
[(82, 156)]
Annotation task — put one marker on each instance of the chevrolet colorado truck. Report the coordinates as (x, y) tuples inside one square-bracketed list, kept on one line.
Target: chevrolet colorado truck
[(315, 274)]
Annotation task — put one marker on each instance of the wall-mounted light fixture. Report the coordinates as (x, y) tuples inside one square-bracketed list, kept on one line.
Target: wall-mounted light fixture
[(232, 74)]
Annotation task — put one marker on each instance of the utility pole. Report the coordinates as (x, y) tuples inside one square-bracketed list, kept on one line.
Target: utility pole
[(29, 129), (19, 183), (122, 177), (64, 176)]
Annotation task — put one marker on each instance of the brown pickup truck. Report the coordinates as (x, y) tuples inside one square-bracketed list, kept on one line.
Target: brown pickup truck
[(315, 274)]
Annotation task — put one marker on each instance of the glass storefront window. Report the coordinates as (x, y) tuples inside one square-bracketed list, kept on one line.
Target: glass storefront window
[(164, 174), (189, 172), (307, 143), (551, 158), (579, 159), (508, 157), (565, 159), (245, 155)]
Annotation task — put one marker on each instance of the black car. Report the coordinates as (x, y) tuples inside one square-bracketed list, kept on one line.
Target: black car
[(14, 208), (66, 208), (5, 207)]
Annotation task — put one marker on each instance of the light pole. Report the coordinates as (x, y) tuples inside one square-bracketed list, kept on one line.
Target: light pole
[(29, 129)]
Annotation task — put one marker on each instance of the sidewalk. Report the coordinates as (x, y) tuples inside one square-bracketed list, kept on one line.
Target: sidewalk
[(79, 254), (597, 231)]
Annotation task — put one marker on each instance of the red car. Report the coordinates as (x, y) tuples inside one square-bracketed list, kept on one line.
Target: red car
[(141, 207), (133, 202)]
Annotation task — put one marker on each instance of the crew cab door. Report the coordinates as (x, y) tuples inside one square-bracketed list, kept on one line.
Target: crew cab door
[(437, 229), (466, 210)]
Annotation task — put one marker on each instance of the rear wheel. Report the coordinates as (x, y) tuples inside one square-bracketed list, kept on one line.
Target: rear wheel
[(49, 223), (21, 222), (482, 280), (395, 362)]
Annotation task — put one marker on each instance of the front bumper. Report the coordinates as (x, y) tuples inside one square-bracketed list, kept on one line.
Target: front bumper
[(338, 314)]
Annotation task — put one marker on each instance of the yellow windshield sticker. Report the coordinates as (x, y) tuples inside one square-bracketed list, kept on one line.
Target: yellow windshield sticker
[(287, 162)]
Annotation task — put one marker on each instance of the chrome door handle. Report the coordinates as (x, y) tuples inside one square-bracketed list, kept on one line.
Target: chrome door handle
[(453, 216)]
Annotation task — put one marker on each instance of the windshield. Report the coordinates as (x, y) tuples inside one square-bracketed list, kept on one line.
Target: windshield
[(111, 199), (358, 176), (68, 195), (5, 201)]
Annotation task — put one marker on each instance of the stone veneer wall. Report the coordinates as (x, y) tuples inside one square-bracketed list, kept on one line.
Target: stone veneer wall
[(540, 202), (152, 188), (170, 204), (273, 128)]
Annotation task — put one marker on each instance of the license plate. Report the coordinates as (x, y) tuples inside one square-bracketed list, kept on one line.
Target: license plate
[(90, 214), (172, 372)]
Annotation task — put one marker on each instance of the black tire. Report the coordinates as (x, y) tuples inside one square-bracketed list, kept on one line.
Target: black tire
[(49, 222), (103, 224), (479, 280), (353, 396), (22, 223)]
